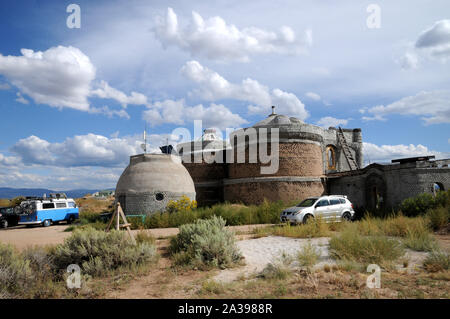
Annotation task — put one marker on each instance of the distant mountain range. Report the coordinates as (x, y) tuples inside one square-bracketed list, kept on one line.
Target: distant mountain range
[(6, 192)]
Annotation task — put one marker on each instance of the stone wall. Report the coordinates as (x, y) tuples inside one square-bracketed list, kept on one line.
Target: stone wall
[(295, 159), (394, 183), (254, 191)]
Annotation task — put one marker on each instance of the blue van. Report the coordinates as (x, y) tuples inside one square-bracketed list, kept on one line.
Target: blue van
[(45, 211)]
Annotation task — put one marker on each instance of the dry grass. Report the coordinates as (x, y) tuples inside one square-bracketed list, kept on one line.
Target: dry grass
[(352, 246), (308, 255), (95, 205), (437, 261), (314, 228)]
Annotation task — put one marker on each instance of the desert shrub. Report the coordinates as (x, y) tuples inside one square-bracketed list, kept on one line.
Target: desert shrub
[(419, 239), (438, 217), (421, 203), (308, 255), (98, 252), (437, 261), (16, 275), (205, 243), (275, 270), (89, 217), (350, 245)]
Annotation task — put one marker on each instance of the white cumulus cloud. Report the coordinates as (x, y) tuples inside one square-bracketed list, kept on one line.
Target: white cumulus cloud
[(212, 86), (433, 107), (177, 112), (436, 39), (385, 153), (313, 96), (58, 77), (328, 121), (105, 91), (61, 77), (217, 40)]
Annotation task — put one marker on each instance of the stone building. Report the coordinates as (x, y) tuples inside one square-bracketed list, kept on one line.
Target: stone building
[(150, 181), (307, 153), (386, 186), (313, 161)]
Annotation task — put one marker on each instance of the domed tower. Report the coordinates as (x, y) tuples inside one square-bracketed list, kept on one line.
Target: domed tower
[(300, 163), (150, 181), (204, 159)]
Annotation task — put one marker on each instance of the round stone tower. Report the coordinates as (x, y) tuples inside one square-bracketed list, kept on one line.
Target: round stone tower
[(204, 159), (300, 163), (150, 181)]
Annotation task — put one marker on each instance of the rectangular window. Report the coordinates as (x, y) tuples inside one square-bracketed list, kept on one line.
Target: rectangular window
[(323, 202), (60, 205), (335, 201), (342, 200), (48, 205), (72, 204)]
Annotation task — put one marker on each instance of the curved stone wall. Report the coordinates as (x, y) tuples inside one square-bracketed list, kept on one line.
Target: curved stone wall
[(288, 189), (295, 159)]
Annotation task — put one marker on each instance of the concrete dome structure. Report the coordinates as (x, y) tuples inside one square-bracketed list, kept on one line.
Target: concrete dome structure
[(150, 181)]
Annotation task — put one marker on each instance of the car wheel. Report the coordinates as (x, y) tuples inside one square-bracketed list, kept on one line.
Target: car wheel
[(306, 218), (347, 216), (4, 224), (71, 219), (46, 223)]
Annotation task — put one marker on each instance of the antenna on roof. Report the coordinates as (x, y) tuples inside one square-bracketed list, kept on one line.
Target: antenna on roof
[(144, 145)]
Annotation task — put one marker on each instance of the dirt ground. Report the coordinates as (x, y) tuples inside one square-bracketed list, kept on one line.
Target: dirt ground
[(22, 237), (164, 281)]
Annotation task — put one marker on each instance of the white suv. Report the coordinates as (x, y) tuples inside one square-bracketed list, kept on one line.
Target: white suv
[(330, 208)]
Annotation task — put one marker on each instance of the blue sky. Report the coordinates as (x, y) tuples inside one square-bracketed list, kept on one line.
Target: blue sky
[(74, 102)]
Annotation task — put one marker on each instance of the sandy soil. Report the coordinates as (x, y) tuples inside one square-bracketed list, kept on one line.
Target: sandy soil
[(22, 237), (259, 252)]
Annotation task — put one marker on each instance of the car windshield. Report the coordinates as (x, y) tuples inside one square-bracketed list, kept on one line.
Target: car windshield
[(307, 202)]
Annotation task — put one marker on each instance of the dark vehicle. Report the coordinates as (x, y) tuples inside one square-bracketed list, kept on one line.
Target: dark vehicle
[(8, 217)]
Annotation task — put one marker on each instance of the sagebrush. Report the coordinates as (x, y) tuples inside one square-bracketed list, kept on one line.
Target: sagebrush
[(98, 252), (205, 243)]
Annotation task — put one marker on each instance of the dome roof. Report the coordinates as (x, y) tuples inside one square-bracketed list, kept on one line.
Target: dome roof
[(149, 173), (275, 120)]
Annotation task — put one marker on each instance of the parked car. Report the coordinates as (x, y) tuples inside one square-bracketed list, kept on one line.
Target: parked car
[(8, 217), (329, 208)]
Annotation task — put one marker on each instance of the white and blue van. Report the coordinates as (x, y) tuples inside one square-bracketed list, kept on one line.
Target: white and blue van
[(45, 211)]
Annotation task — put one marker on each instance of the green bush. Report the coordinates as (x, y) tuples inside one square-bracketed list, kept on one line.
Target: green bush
[(351, 246), (420, 204), (205, 243), (98, 252)]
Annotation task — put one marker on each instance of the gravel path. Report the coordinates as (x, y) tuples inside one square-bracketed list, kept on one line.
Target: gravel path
[(262, 251)]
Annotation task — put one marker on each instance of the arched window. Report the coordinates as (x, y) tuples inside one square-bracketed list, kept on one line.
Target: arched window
[(437, 187), (331, 157)]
